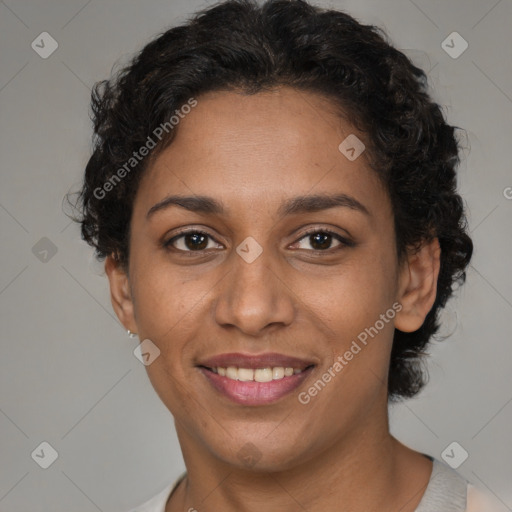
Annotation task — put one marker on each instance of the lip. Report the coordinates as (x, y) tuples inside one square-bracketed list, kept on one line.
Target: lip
[(268, 359), (255, 393)]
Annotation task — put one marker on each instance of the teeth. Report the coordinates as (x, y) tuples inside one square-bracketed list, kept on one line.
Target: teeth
[(231, 373), (258, 375), (263, 375), (277, 372), (246, 373)]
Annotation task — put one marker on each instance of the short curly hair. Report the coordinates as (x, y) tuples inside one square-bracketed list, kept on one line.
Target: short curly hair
[(243, 46)]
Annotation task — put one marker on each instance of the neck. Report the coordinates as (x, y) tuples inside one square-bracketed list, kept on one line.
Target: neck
[(367, 469)]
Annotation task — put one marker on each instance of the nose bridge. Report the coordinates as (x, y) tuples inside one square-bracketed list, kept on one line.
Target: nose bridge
[(253, 296)]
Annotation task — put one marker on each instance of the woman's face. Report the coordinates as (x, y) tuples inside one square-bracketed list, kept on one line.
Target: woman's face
[(255, 283)]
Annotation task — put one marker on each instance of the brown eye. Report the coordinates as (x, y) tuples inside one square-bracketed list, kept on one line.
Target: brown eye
[(321, 240), (195, 241), (191, 241)]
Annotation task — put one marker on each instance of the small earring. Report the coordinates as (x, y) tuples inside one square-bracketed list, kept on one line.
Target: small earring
[(131, 334)]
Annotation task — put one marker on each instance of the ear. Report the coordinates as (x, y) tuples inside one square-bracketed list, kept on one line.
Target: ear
[(418, 286), (120, 293)]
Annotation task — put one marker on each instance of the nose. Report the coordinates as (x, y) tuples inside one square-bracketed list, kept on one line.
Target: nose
[(253, 297)]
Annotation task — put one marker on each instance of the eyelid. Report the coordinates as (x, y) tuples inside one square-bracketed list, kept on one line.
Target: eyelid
[(326, 228)]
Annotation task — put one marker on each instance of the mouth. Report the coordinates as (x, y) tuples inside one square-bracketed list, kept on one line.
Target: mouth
[(255, 380)]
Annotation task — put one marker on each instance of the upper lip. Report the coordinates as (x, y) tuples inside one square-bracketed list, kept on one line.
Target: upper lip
[(269, 359)]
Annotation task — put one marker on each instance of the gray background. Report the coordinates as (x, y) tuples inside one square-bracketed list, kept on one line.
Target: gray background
[(68, 375)]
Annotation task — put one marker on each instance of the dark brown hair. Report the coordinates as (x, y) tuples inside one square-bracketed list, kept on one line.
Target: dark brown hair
[(241, 45)]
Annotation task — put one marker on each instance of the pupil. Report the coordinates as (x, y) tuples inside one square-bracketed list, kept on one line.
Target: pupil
[(321, 240), (195, 237)]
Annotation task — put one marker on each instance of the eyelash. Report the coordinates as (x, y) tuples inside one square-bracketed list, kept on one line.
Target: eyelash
[(343, 241), (326, 231)]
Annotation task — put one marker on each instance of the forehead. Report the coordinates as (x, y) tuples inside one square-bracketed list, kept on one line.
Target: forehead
[(254, 151)]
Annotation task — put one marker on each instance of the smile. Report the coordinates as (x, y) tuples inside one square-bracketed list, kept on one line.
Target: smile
[(255, 379), (253, 392)]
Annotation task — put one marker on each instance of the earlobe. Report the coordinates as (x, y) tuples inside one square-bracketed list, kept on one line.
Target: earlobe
[(120, 293), (418, 286)]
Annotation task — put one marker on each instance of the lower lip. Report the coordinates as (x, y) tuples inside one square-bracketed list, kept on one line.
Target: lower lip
[(252, 392)]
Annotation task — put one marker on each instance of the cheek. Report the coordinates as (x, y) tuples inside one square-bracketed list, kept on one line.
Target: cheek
[(163, 298), (165, 308), (351, 296), (171, 310), (349, 305), (347, 296)]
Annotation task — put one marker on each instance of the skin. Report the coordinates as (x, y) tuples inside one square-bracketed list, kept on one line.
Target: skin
[(253, 153)]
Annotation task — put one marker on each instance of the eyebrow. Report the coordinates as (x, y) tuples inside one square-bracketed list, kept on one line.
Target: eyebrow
[(295, 205)]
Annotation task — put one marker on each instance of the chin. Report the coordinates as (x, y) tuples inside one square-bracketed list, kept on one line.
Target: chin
[(262, 456)]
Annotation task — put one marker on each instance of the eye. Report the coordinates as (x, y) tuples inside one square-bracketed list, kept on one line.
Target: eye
[(322, 240), (192, 241)]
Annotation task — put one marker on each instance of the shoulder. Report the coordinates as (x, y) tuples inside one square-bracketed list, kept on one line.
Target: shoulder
[(449, 491), (158, 502), (481, 501)]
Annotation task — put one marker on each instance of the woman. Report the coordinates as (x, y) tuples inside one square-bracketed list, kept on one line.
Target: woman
[(274, 194)]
